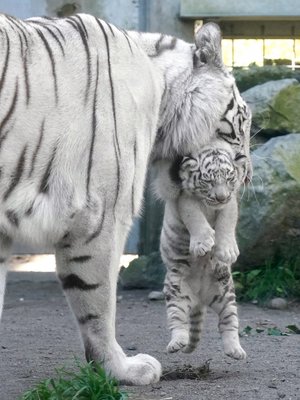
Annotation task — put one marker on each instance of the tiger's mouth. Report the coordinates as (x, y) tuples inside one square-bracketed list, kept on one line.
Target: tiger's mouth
[(217, 203)]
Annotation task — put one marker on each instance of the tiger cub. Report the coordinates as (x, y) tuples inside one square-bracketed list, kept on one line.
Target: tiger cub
[(198, 246)]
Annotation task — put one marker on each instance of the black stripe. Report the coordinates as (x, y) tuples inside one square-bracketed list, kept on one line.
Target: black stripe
[(17, 174), (215, 298), (12, 217), (55, 38), (116, 140), (28, 212), (94, 126), (82, 24), (60, 32), (80, 259), (3, 75), (128, 41), (161, 47), (52, 60), (44, 186), (87, 318), (77, 26), (230, 315), (174, 305), (10, 110), (20, 26), (229, 106), (37, 148), (26, 79), (195, 330), (232, 133), (110, 28), (2, 260), (73, 281), (98, 230)]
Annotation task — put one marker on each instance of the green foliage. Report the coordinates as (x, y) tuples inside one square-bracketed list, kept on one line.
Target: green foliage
[(281, 279), (271, 330), (89, 383), (254, 75)]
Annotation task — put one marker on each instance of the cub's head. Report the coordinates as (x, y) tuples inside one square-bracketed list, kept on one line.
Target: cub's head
[(214, 175)]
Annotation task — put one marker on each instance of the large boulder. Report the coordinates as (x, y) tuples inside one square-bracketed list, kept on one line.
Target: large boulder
[(269, 224), (275, 106)]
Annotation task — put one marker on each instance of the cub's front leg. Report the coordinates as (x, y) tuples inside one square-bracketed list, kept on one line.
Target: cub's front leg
[(226, 248), (202, 235)]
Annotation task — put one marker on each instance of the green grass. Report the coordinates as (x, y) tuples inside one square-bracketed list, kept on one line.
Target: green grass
[(280, 279), (88, 383)]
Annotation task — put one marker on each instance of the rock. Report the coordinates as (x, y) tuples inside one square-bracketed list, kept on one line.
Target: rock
[(278, 303), (156, 295), (275, 106), (145, 272), (269, 223)]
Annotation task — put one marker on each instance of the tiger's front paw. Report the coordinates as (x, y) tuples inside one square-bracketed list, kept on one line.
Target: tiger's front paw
[(227, 251), (178, 342), (202, 244)]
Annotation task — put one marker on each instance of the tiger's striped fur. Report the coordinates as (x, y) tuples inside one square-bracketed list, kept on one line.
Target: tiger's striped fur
[(198, 247), (83, 104)]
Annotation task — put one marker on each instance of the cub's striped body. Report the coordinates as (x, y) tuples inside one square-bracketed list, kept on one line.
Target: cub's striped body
[(83, 104), (198, 247)]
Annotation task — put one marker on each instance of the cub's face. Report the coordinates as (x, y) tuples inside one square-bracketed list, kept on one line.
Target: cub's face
[(213, 176)]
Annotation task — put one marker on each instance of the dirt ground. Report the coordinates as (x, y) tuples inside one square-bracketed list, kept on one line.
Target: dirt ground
[(38, 334)]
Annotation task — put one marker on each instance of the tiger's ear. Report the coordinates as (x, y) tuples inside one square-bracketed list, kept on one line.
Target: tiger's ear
[(188, 165), (208, 41)]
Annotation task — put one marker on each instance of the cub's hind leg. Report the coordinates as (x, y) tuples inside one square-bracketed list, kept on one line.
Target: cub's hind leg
[(196, 319), (5, 251), (178, 302), (222, 301), (88, 270)]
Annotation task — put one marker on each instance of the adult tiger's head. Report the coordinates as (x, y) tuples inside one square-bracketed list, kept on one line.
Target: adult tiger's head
[(201, 101)]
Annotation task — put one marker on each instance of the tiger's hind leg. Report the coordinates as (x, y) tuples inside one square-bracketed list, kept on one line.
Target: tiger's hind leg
[(222, 301), (197, 315), (5, 251), (178, 303), (88, 269)]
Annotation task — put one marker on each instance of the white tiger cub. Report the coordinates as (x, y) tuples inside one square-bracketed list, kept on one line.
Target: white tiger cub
[(198, 246), (83, 104)]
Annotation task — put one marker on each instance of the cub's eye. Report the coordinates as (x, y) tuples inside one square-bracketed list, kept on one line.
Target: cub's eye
[(205, 178)]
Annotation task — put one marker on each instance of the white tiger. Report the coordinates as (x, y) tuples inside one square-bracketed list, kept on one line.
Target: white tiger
[(82, 106), (198, 246)]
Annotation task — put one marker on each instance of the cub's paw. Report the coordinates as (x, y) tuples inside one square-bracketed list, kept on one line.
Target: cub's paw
[(141, 369), (201, 245), (227, 251), (235, 351), (178, 343)]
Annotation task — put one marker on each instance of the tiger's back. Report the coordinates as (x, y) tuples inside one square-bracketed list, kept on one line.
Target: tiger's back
[(58, 136)]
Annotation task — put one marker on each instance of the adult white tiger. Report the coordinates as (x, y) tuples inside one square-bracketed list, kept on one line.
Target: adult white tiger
[(81, 103)]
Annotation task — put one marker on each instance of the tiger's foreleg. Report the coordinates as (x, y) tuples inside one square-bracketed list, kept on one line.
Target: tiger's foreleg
[(5, 249), (88, 269)]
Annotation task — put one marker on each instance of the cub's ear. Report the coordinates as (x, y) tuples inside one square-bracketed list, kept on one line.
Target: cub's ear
[(188, 165), (208, 41)]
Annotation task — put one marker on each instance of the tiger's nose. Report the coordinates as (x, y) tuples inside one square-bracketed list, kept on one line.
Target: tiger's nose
[(221, 197)]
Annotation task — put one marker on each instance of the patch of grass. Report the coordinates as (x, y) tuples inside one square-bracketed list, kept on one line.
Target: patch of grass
[(88, 383), (280, 279)]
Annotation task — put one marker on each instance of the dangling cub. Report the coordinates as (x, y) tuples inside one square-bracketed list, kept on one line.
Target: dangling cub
[(198, 246)]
